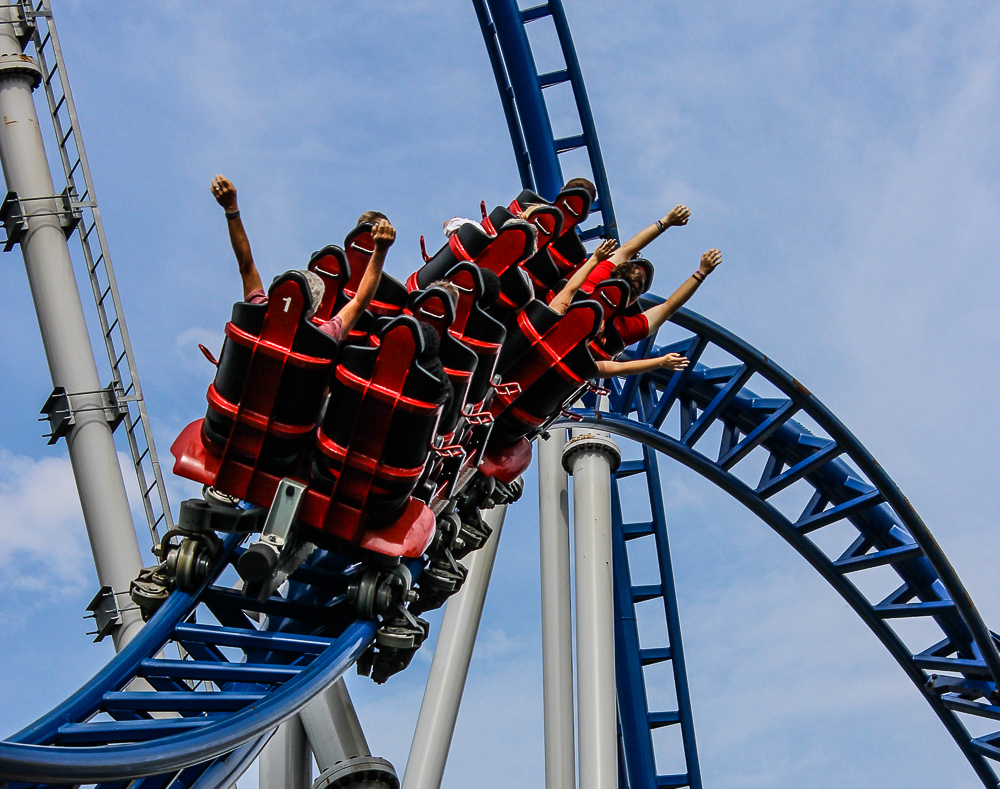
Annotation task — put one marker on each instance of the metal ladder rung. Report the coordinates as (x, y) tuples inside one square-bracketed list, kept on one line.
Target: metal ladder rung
[(632, 530), (657, 720), (104, 295), (111, 328), (593, 232), (535, 12), (641, 594), (119, 360), (650, 657), (66, 136), (62, 100), (908, 610), (672, 781), (852, 564), (553, 78), (142, 457), (565, 144)]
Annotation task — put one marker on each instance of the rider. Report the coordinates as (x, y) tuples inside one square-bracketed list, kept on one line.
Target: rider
[(253, 289)]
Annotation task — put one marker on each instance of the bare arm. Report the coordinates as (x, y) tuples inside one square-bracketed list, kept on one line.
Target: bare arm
[(661, 313), (672, 361), (225, 195), (383, 235), (677, 217), (565, 297)]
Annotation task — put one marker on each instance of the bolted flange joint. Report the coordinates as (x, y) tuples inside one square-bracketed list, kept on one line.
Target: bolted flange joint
[(598, 442), (361, 772), (20, 64)]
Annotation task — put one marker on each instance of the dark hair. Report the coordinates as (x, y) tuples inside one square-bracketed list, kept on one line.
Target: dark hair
[(371, 217), (634, 275), (583, 183)]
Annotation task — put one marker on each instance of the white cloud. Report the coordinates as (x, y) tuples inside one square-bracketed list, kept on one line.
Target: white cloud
[(43, 544)]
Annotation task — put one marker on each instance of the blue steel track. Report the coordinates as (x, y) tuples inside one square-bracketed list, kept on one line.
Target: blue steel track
[(148, 720)]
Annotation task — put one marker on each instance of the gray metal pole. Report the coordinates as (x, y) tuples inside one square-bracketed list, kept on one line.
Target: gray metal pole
[(64, 330), (557, 617), (333, 728), (590, 457), (285, 762), (450, 666)]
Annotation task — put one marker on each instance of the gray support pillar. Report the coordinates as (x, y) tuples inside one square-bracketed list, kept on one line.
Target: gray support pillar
[(285, 762), (339, 745), (450, 667), (64, 329), (333, 728), (557, 621), (590, 458)]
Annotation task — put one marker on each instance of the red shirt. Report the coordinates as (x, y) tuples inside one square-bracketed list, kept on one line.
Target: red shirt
[(334, 327), (632, 328)]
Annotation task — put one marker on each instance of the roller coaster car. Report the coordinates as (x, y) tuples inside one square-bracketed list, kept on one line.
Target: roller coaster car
[(375, 439), (612, 295), (558, 260), (500, 253), (390, 297), (433, 307), (474, 327), (263, 404), (544, 361), (330, 263), (465, 244), (262, 415), (573, 203)]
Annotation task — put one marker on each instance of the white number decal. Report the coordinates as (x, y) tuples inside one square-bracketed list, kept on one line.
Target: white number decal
[(288, 302)]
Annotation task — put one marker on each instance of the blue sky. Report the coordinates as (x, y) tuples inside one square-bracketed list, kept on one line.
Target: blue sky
[(842, 156)]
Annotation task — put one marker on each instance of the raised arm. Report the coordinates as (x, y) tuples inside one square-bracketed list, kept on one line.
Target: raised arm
[(672, 361), (565, 296), (383, 235), (225, 195), (677, 217), (661, 313)]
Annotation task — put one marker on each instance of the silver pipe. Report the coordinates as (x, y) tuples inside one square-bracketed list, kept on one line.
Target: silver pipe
[(61, 319), (557, 621), (332, 727), (590, 458), (285, 762), (450, 666)]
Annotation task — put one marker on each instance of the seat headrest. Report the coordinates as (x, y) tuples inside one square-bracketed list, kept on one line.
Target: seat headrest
[(612, 295), (299, 278), (548, 220), (491, 288), (331, 263), (432, 306), (575, 200), (526, 198)]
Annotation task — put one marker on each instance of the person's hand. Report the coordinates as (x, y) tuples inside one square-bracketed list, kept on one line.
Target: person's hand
[(224, 193), (605, 249), (673, 361), (678, 217), (709, 261), (383, 234)]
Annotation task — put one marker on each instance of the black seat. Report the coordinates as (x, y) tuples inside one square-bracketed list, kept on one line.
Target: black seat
[(380, 420), (273, 371)]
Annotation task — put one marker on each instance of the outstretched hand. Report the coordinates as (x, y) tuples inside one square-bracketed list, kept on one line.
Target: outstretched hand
[(383, 234), (605, 249), (673, 361), (709, 261), (224, 193), (678, 217)]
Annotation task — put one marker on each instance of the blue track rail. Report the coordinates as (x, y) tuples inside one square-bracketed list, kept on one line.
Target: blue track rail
[(843, 484), (194, 697), (522, 92)]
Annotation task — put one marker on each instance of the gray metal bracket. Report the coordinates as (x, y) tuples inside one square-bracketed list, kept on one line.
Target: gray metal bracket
[(283, 549), (105, 612), (15, 223), (61, 412)]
